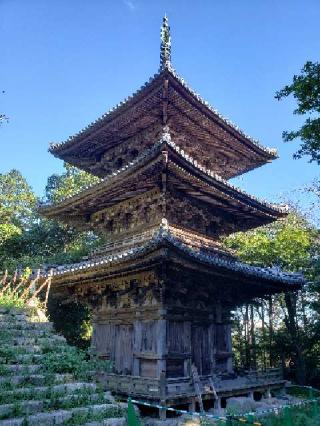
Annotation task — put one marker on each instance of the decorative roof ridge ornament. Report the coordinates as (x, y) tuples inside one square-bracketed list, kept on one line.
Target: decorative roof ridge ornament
[(165, 134), (165, 46)]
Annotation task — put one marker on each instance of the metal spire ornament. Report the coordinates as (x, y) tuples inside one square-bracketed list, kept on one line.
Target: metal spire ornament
[(165, 47)]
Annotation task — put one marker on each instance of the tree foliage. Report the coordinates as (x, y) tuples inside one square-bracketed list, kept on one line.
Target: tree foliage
[(67, 184), (26, 238), (17, 204), (17, 200), (29, 240), (305, 89), (282, 327), (286, 243)]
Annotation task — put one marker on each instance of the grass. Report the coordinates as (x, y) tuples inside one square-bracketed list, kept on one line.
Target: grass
[(26, 343), (306, 414), (10, 300)]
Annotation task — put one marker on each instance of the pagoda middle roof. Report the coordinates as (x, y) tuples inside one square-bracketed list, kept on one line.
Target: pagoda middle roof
[(185, 173), (167, 99), (165, 238)]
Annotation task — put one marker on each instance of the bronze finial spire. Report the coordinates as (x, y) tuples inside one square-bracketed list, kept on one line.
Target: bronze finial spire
[(165, 48)]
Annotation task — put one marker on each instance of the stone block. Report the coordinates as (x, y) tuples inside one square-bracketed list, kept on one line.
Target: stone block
[(241, 404)]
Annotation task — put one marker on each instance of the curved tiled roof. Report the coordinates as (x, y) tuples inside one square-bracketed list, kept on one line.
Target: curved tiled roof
[(109, 178), (166, 139), (165, 236), (108, 115), (270, 151), (130, 100)]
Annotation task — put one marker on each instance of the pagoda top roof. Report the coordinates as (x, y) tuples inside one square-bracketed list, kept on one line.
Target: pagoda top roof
[(155, 102), (90, 197), (164, 237)]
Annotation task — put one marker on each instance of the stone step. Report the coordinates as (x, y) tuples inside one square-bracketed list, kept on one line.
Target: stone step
[(37, 392), (36, 333), (26, 349), (7, 369), (113, 421), (25, 325), (36, 406), (12, 310), (10, 351), (52, 340), (16, 318), (34, 379), (28, 358), (59, 417)]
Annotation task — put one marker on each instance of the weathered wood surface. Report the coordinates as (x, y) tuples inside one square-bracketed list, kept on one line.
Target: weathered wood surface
[(183, 388), (197, 386), (128, 131)]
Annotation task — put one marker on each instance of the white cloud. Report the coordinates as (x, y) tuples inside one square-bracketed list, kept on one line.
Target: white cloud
[(130, 4)]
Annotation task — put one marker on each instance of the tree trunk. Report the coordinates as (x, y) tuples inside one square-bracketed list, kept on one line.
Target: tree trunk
[(247, 348), (292, 327), (253, 340), (264, 360), (271, 357)]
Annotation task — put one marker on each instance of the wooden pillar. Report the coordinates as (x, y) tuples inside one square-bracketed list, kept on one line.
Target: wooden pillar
[(217, 406), (162, 347), (163, 392), (187, 362), (267, 393), (192, 405), (137, 336), (212, 348), (229, 347)]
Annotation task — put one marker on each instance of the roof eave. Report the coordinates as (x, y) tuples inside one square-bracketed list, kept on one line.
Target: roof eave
[(146, 159), (165, 239), (59, 149)]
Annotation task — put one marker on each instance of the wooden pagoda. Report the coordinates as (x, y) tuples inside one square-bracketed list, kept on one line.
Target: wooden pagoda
[(163, 288)]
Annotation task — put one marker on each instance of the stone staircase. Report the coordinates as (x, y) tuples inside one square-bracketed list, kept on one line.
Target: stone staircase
[(37, 383)]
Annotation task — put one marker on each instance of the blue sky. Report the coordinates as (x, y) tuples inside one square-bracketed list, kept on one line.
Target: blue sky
[(64, 63)]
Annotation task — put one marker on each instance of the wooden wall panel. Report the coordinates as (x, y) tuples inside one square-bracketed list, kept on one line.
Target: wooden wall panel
[(116, 342), (148, 368), (203, 348), (146, 336), (124, 349), (179, 337)]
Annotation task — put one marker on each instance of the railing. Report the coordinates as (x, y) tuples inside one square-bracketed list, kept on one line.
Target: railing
[(25, 287), (123, 243), (268, 374)]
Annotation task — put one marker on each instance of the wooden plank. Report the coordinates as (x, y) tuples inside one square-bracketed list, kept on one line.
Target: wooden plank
[(197, 386)]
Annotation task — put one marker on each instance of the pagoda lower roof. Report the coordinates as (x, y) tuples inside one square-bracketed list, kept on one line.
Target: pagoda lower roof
[(166, 99), (184, 173), (273, 279)]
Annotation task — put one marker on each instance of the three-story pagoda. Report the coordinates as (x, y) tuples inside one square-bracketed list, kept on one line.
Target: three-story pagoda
[(162, 289)]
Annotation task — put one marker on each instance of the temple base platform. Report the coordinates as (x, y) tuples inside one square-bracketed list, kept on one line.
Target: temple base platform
[(182, 391)]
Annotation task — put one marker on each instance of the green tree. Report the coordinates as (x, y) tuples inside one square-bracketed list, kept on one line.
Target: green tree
[(305, 88), (286, 243), (17, 200), (29, 240), (68, 183), (17, 205), (290, 244)]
